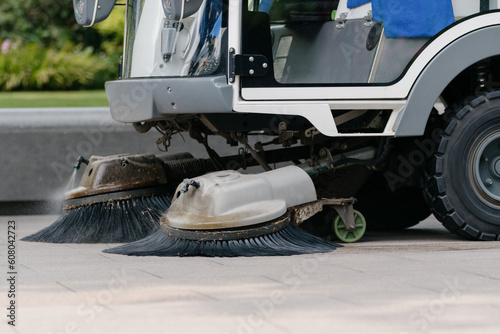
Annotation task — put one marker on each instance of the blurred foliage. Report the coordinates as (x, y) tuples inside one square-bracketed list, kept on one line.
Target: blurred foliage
[(31, 67), (44, 48)]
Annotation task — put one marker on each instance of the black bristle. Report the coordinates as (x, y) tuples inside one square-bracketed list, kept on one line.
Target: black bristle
[(114, 221), (291, 240)]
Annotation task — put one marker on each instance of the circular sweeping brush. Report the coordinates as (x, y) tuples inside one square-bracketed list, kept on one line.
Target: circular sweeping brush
[(274, 238), (227, 214), (120, 199)]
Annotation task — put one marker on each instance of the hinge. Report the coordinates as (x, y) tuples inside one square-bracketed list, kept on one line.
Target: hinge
[(341, 21), (369, 19), (247, 65)]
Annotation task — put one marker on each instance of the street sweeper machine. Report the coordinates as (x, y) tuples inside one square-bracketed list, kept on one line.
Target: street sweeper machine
[(386, 110)]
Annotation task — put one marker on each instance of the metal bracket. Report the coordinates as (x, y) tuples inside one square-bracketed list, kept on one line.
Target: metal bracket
[(341, 21), (346, 213), (369, 19), (244, 141), (311, 132), (343, 206), (247, 65)]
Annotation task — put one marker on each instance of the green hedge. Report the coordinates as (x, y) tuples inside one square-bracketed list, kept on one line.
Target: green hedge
[(44, 49), (31, 67)]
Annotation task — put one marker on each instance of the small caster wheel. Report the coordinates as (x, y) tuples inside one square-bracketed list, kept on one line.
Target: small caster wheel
[(350, 236)]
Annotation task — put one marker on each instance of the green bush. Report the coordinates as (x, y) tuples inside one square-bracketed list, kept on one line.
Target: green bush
[(31, 67), (50, 51)]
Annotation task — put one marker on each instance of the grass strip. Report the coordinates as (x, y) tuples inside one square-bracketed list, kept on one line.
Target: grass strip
[(47, 99)]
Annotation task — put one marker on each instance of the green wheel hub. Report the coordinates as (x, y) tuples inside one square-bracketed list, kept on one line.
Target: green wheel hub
[(346, 235), (486, 169)]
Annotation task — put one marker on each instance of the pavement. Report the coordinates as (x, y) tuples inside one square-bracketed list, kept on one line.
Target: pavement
[(421, 280)]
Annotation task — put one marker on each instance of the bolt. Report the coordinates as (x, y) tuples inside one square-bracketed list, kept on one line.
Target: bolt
[(231, 79), (231, 50), (488, 182), (169, 89), (264, 65), (251, 72), (282, 126), (497, 167), (251, 59), (323, 153), (485, 158)]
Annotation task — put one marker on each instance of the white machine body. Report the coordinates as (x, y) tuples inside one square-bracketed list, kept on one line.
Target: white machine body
[(228, 199)]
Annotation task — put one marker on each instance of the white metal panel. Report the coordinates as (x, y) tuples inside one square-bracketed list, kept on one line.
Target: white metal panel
[(398, 90), (234, 41), (227, 199), (319, 112), (145, 55), (463, 8), (494, 4)]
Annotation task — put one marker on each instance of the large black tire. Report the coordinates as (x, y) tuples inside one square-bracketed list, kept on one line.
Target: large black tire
[(464, 174), (388, 210)]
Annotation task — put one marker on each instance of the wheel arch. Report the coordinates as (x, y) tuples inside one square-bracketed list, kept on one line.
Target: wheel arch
[(439, 74)]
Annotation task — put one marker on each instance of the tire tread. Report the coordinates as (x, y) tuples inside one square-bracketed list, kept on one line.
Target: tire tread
[(441, 206)]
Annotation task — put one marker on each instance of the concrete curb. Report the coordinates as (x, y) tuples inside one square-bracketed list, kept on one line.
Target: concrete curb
[(39, 147)]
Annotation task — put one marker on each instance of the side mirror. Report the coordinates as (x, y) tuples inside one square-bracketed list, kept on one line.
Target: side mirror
[(88, 12), (177, 9)]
